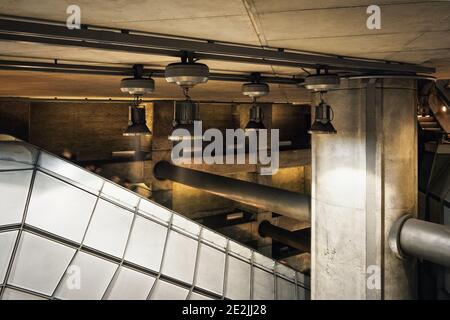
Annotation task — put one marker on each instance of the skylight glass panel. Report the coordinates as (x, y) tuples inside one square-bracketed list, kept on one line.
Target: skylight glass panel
[(211, 267), (109, 228), (263, 285), (87, 278), (146, 243), (179, 261), (120, 195), (39, 263), (285, 289), (154, 211), (70, 172), (168, 291), (14, 188), (129, 284), (238, 279), (59, 208), (7, 241)]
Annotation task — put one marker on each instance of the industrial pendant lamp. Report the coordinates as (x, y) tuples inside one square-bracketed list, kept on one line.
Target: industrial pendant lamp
[(255, 90), (322, 82), (137, 86), (256, 119), (186, 112), (137, 126), (322, 123), (186, 74)]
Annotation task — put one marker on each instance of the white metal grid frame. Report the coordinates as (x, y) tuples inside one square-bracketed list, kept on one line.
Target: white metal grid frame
[(19, 157)]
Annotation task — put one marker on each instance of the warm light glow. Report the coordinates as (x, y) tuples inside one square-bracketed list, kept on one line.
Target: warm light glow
[(176, 138), (235, 216), (444, 108)]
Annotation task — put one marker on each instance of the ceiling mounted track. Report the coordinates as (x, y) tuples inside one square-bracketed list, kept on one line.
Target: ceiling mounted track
[(123, 71), (95, 37)]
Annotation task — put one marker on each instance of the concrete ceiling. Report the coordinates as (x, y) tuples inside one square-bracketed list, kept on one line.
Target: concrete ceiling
[(411, 31)]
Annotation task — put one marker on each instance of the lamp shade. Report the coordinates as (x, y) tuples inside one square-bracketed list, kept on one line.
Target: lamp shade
[(256, 119), (322, 123), (138, 124), (186, 112)]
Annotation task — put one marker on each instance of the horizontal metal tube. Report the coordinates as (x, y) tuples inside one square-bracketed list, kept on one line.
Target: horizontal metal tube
[(426, 240), (284, 202), (121, 71), (300, 240)]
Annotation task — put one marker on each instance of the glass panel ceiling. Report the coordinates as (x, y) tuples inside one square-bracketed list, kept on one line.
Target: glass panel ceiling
[(238, 279), (69, 172), (87, 278), (14, 187), (198, 296), (146, 243), (109, 228), (129, 285), (263, 285), (67, 210), (285, 289), (86, 238), (7, 241), (168, 291), (180, 257), (11, 294), (39, 263), (211, 267)]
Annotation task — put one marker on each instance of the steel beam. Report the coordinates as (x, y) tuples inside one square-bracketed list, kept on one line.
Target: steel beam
[(119, 38), (284, 202), (161, 52), (152, 51), (411, 237), (300, 239), (55, 70), (122, 71)]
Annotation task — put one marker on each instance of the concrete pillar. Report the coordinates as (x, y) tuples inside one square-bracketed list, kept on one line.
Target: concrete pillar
[(161, 145), (363, 179)]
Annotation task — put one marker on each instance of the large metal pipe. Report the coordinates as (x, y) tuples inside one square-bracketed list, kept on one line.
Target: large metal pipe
[(421, 239), (284, 202), (300, 240)]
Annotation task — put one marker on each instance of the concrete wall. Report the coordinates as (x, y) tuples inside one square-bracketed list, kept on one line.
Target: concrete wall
[(14, 119), (293, 121), (91, 131)]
